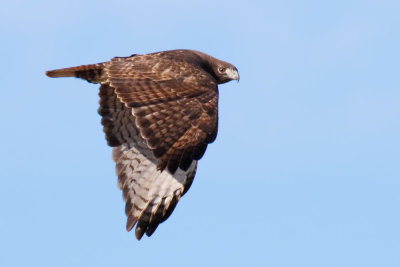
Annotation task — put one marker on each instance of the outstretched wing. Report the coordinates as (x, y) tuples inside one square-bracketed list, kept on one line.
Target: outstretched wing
[(150, 194), (176, 116)]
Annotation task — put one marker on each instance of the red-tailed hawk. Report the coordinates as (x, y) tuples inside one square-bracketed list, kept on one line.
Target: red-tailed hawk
[(159, 112)]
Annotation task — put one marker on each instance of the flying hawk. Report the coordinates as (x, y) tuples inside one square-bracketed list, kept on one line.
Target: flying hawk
[(159, 112)]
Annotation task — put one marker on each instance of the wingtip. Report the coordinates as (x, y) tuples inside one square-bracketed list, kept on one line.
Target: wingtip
[(130, 223), (151, 230), (139, 232)]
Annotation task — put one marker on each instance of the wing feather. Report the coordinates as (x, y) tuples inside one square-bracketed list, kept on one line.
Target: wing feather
[(177, 117)]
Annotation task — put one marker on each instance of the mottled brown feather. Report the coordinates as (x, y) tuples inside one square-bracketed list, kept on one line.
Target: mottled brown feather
[(173, 114)]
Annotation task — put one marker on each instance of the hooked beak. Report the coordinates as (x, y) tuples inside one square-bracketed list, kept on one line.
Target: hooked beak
[(237, 75), (233, 74)]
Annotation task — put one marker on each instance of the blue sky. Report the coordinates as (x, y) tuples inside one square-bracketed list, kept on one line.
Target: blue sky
[(304, 172)]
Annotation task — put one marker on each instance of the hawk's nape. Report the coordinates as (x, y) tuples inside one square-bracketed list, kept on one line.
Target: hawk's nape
[(159, 112)]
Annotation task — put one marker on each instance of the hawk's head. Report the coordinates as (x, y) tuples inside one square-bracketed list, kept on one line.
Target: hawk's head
[(226, 72), (222, 71)]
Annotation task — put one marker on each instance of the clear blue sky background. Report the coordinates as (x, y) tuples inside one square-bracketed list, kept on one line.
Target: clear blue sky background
[(305, 170)]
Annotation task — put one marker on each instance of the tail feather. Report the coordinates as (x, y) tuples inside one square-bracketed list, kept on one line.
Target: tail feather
[(92, 73)]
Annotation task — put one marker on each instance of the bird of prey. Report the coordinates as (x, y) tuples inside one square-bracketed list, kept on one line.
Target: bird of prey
[(159, 112)]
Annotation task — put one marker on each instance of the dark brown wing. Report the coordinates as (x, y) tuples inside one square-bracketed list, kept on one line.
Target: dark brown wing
[(175, 104), (150, 195)]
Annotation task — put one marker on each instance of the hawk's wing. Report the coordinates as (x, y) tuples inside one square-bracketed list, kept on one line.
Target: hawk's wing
[(177, 117), (159, 127), (150, 195)]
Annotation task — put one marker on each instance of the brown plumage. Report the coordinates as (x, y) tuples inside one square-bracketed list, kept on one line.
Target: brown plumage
[(159, 112)]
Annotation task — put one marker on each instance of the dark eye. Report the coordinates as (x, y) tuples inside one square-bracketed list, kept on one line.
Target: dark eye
[(221, 69)]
